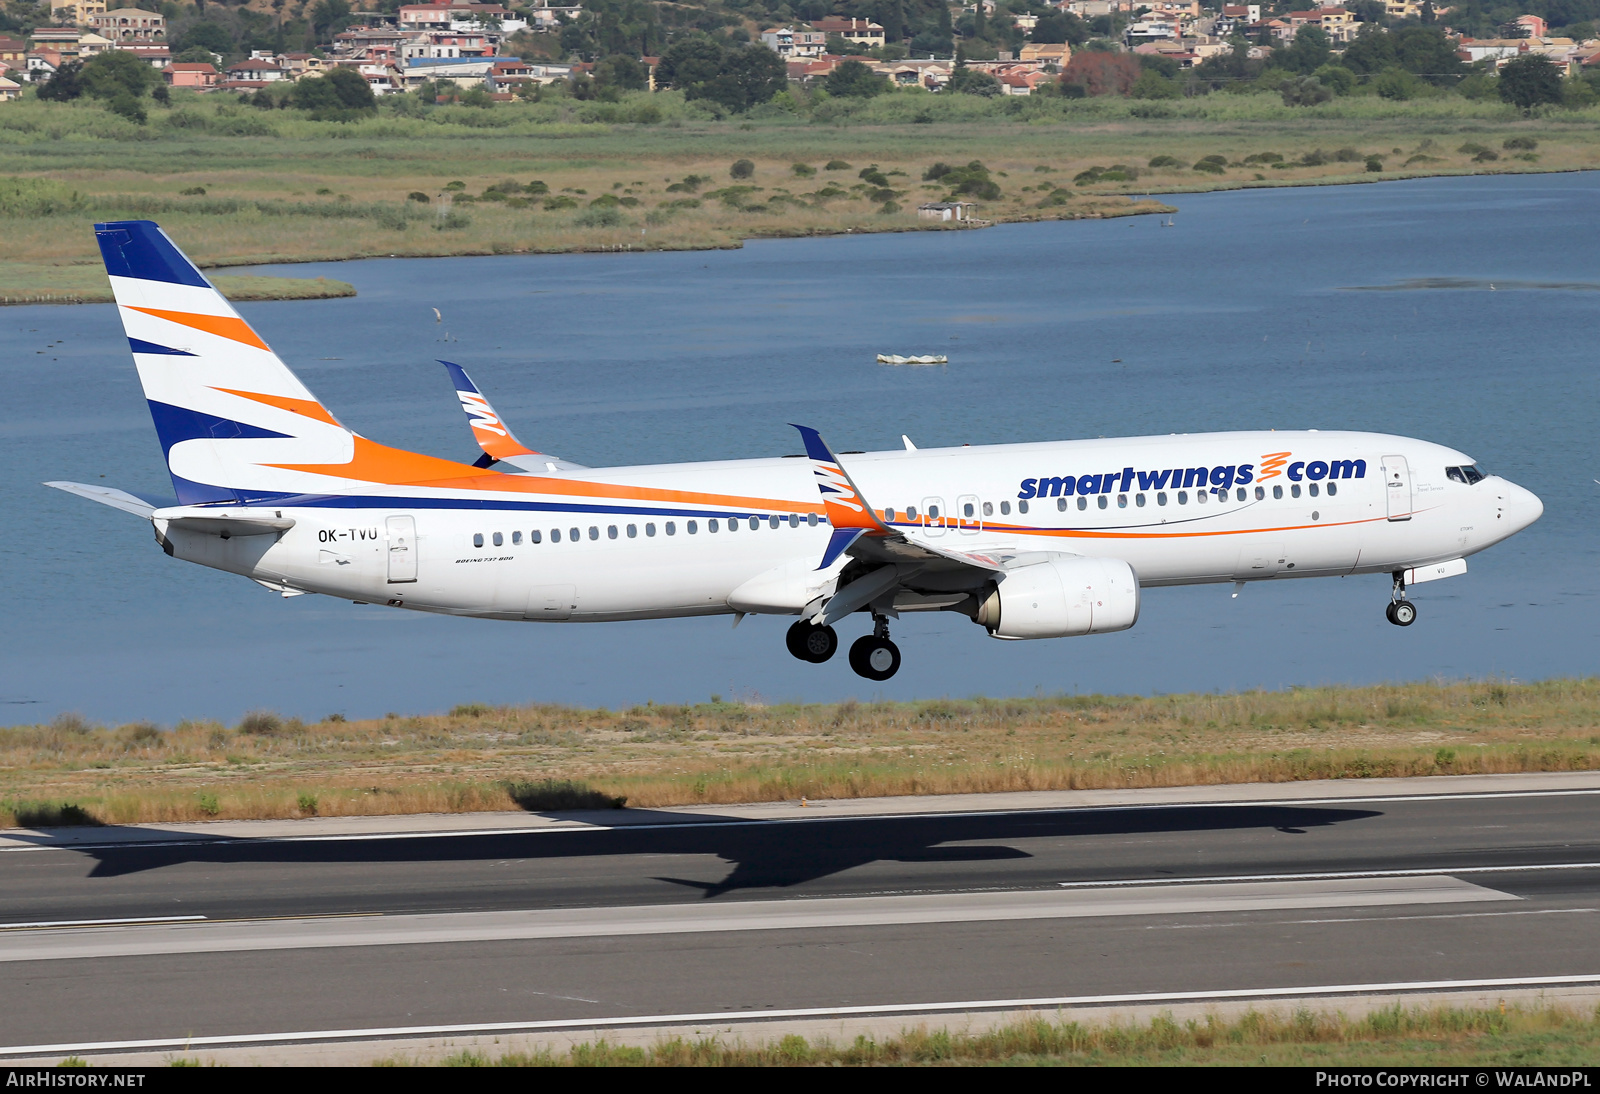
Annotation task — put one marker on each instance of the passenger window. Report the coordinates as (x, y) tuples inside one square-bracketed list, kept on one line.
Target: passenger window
[(535, 535), (988, 508), (811, 519), (1183, 497), (1312, 489), (755, 522), (1277, 492), (573, 535), (773, 521), (1083, 503), (1241, 494), (516, 537), (555, 535), (692, 527), (672, 528), (1294, 491), (1200, 497), (933, 512), (650, 530), (1333, 488), (594, 531), (712, 525), (968, 511), (633, 531), (1138, 499), (1122, 501), (794, 520), (1102, 501), (499, 540), (1161, 498), (888, 516), (477, 539), (1005, 509), (1061, 504), (911, 512), (1261, 493), (733, 524), (1022, 507)]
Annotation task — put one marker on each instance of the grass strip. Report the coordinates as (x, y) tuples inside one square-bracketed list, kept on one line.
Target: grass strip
[(1395, 1036), (21, 284), (547, 757)]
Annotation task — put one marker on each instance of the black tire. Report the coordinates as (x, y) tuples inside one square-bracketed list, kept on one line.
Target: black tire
[(874, 658), (1404, 613), (811, 643), (1388, 612)]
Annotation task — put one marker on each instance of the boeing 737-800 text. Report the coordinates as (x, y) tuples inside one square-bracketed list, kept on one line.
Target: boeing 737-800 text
[(1039, 540)]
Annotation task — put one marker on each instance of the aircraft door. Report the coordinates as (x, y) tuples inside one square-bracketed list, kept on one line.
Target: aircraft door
[(1397, 487), (933, 516), (968, 515), (402, 550)]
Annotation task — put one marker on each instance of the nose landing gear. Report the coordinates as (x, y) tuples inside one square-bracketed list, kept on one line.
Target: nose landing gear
[(1401, 612), (873, 655), (811, 643)]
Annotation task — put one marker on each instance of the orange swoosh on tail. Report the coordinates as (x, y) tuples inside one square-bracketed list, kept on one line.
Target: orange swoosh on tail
[(224, 326), (308, 407)]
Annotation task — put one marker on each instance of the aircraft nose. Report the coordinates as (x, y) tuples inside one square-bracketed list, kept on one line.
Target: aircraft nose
[(1520, 506)]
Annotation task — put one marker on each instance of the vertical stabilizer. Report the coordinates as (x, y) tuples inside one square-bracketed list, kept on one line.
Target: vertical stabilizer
[(225, 407)]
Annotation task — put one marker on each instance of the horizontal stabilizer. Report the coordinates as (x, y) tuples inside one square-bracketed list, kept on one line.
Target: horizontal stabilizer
[(224, 522), (117, 499)]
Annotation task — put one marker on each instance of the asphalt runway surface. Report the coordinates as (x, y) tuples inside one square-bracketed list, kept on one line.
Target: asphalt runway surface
[(674, 914)]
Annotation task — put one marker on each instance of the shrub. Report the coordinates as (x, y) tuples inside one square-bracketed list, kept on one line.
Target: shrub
[(307, 803), (874, 176), (1347, 155), (836, 165), (890, 207), (136, 734), (454, 221), (1165, 161), (207, 803), (262, 723), (1374, 163), (1488, 155), (453, 184), (1527, 144), (604, 217), (417, 195), (802, 170), (1209, 167), (741, 169), (193, 192), (562, 201), (549, 795)]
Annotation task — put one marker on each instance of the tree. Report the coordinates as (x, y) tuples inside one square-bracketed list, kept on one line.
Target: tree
[(207, 35), (736, 77), (1529, 81), (1369, 11), (65, 85), (1060, 27), (970, 81), (893, 17), (852, 79), (1152, 85), (1102, 73), (620, 72), (1304, 91), (340, 96), (115, 73), (1308, 52), (330, 17)]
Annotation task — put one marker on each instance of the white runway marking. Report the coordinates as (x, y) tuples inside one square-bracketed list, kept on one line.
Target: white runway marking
[(57, 923), (745, 915), (1049, 1003)]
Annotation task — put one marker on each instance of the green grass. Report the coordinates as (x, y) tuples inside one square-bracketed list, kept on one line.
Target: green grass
[(1395, 1036), (88, 285)]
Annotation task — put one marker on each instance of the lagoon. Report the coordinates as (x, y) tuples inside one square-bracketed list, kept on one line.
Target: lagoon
[(1461, 310)]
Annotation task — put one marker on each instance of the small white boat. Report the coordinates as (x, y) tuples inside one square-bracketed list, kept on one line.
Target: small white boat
[(924, 359)]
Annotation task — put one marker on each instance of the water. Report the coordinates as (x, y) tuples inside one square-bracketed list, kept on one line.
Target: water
[(1242, 315)]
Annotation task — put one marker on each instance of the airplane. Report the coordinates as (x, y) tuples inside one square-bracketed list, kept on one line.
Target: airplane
[(1029, 541)]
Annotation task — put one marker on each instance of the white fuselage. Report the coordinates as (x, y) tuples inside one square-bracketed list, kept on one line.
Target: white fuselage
[(638, 542)]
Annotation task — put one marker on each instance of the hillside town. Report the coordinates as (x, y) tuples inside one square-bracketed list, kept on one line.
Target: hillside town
[(466, 45)]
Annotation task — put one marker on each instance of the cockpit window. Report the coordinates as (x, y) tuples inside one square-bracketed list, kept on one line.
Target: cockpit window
[(1469, 474)]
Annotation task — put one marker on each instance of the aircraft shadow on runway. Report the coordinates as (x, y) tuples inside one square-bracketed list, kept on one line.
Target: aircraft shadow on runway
[(764, 854)]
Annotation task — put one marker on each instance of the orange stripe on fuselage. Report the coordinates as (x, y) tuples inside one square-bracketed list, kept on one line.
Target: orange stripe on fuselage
[(224, 326), (308, 407), (378, 463)]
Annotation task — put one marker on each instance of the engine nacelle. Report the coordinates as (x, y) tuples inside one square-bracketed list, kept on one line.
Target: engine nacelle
[(1060, 598)]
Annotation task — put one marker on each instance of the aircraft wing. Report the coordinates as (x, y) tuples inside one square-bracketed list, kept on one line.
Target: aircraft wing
[(492, 433)]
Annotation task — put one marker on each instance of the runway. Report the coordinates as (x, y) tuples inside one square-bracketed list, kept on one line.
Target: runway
[(336, 932)]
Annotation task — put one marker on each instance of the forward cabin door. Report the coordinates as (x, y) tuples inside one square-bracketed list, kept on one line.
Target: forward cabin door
[(402, 549), (1397, 485)]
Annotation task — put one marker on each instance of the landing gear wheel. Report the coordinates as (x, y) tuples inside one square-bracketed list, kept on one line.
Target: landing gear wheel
[(875, 658), (1402, 613), (811, 643)]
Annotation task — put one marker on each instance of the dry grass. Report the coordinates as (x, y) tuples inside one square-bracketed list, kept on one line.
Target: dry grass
[(1545, 1036), (477, 757), (88, 285)]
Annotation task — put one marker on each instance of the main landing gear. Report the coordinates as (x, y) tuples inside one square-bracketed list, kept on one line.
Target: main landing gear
[(1401, 612), (872, 656)]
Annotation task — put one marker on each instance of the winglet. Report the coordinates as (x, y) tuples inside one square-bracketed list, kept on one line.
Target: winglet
[(491, 433), (849, 514)]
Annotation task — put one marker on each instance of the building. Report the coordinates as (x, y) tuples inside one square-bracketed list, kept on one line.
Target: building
[(10, 90), (198, 75), (788, 42), (256, 72), (131, 25), (13, 52), (91, 44), (59, 40), (75, 12), (1533, 26), (861, 32), (946, 210), (1337, 23)]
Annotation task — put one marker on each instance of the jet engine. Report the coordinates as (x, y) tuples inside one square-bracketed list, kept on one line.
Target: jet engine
[(1061, 597)]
